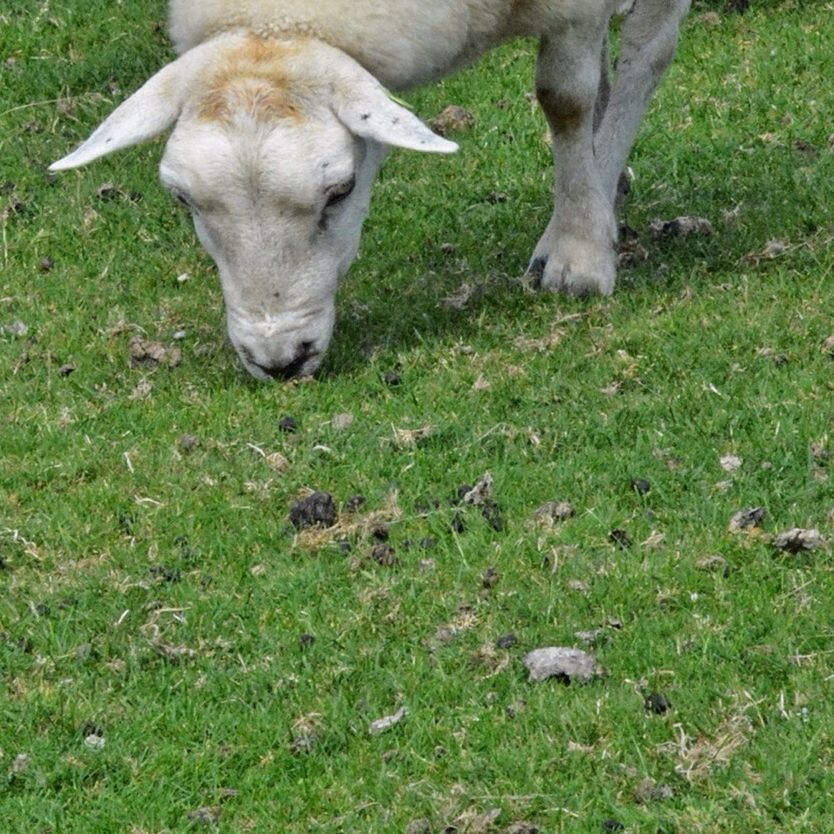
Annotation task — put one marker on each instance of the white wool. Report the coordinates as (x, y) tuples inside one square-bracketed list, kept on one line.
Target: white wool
[(401, 42)]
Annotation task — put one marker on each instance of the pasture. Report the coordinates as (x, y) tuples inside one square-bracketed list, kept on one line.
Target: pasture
[(176, 656)]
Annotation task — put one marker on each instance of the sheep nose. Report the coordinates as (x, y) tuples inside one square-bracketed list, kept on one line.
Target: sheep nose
[(304, 354)]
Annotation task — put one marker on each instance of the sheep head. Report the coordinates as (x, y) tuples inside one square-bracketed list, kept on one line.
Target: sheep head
[(275, 148)]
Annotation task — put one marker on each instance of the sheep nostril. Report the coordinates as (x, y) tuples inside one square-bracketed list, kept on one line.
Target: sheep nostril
[(303, 355)]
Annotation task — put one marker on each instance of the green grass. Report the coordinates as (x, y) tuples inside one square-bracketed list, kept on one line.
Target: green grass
[(713, 351)]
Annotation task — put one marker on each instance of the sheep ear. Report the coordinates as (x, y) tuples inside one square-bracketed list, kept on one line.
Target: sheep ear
[(371, 113), (148, 112)]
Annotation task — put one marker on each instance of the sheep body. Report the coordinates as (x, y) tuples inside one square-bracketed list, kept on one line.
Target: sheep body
[(402, 42)]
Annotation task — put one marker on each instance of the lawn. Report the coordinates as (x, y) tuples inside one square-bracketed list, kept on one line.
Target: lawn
[(176, 656)]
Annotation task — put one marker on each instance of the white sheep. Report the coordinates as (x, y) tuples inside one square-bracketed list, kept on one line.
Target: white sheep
[(282, 119)]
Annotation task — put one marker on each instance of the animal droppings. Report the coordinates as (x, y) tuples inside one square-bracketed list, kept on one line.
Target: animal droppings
[(554, 512), (342, 421), (21, 763), (590, 636), (521, 827), (385, 555), (620, 538), (94, 742), (798, 540), (496, 198), (746, 519), (641, 486), (166, 574), (302, 744), (459, 300), (144, 352), (380, 533), (316, 510), (107, 192), (649, 791), (381, 725), (656, 703), (562, 663), (730, 463), (471, 822), (630, 251), (490, 578), (715, 563), (188, 443), (207, 815), (479, 494), (15, 328), (506, 641), (492, 515), (354, 504), (288, 424), (453, 119), (685, 226)]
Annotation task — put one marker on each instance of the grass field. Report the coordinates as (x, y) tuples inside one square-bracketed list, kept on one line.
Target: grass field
[(175, 657)]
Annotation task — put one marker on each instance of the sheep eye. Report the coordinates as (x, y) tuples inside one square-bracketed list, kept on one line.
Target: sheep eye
[(181, 198), (339, 193)]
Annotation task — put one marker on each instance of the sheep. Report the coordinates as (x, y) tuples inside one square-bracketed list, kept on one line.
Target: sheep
[(282, 117)]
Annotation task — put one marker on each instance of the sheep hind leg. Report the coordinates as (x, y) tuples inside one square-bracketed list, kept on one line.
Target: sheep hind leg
[(648, 39), (576, 253)]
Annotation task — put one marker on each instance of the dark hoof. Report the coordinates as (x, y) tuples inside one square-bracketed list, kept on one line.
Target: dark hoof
[(536, 271)]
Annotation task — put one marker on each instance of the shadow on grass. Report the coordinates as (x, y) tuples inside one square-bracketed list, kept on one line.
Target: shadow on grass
[(448, 309), (448, 301)]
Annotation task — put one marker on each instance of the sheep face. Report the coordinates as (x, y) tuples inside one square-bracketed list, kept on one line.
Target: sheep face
[(279, 207)]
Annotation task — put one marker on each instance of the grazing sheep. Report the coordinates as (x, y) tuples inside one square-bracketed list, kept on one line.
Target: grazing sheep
[(282, 119)]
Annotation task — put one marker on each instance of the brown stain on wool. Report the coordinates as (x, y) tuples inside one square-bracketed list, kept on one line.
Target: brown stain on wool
[(254, 78)]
